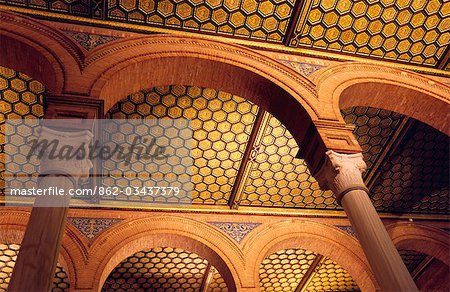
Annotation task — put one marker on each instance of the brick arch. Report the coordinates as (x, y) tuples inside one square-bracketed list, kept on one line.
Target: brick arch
[(38, 50), (357, 84), (421, 238), (323, 239), (116, 70), (13, 224), (129, 237)]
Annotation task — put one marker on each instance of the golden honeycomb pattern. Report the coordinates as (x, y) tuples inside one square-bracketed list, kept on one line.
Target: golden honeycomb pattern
[(8, 257), (415, 177), (416, 31), (20, 98), (159, 269), (411, 258), (277, 178), (217, 283), (264, 20), (283, 270), (374, 129), (329, 276), (221, 122)]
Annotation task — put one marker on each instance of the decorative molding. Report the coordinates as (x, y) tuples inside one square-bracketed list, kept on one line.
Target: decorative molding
[(236, 230), (347, 229), (91, 227), (90, 41), (306, 69)]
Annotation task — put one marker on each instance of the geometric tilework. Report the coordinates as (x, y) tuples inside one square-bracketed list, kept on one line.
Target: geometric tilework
[(411, 258), (236, 230), (283, 270), (221, 125), (249, 19), (90, 41), (329, 276), (347, 229), (416, 32), (162, 269), (415, 177), (91, 227), (305, 69), (8, 257), (20, 98)]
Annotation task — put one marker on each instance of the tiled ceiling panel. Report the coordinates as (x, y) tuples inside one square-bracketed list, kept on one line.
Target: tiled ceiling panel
[(416, 31), (412, 259), (21, 97), (222, 124), (330, 276), (162, 269), (265, 20), (283, 270), (414, 178), (276, 178), (303, 270), (374, 129), (8, 257)]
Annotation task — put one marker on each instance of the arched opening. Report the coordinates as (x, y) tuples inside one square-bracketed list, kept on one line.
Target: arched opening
[(165, 269), (346, 85)]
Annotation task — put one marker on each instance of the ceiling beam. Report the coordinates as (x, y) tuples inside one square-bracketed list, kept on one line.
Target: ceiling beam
[(390, 148), (444, 59), (206, 278), (309, 273), (421, 267), (298, 14), (242, 174)]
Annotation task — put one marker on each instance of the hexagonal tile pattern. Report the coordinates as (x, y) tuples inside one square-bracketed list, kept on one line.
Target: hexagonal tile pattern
[(277, 178), (374, 129), (8, 257), (329, 276), (222, 124), (217, 283), (20, 98), (283, 270), (411, 258), (160, 269), (416, 32), (265, 20), (415, 177)]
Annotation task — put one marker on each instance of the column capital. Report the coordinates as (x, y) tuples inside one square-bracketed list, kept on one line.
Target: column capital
[(67, 153), (342, 173)]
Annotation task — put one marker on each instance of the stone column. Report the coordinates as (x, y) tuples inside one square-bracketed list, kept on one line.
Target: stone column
[(342, 173), (39, 251)]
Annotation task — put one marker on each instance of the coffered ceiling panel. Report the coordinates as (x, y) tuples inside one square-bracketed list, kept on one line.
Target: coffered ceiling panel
[(163, 269), (222, 124), (414, 177), (265, 20), (8, 257), (330, 276), (303, 270), (276, 177), (416, 31), (21, 97)]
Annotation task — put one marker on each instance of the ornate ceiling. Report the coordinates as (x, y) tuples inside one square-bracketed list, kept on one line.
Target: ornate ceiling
[(244, 157), (405, 31)]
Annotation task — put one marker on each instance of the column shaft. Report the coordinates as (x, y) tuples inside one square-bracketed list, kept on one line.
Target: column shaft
[(38, 254), (384, 259)]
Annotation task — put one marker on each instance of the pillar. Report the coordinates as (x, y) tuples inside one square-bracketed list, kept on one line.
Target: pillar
[(342, 173), (39, 251)]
